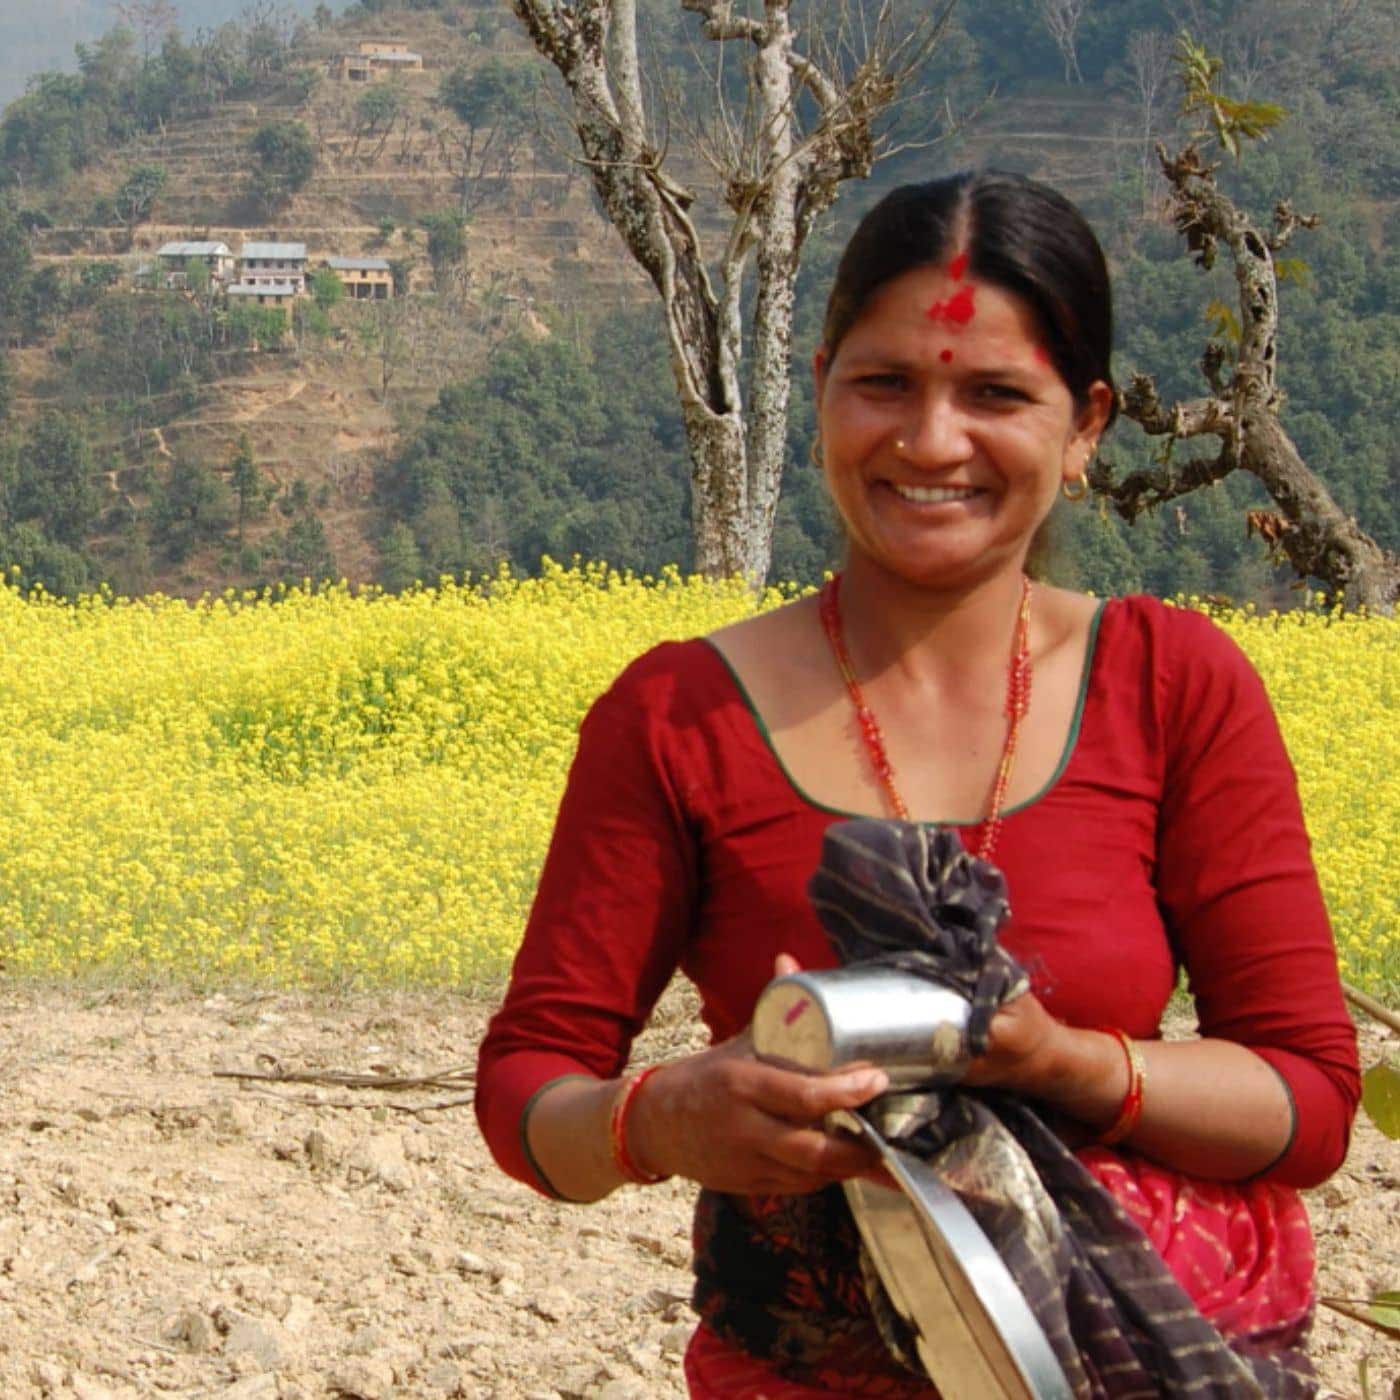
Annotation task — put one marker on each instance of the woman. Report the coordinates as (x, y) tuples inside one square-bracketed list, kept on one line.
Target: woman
[(1119, 763)]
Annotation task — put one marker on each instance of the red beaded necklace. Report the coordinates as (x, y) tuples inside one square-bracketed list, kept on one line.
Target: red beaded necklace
[(1018, 699)]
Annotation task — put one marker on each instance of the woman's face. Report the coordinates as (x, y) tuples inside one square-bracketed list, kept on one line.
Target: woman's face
[(946, 430)]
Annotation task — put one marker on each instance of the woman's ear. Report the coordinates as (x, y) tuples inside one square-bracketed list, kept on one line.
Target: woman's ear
[(1094, 416)]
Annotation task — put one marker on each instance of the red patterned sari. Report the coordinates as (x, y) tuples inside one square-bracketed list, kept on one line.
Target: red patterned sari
[(1242, 1251)]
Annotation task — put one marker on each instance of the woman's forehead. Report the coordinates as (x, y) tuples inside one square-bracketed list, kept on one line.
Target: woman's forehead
[(931, 303)]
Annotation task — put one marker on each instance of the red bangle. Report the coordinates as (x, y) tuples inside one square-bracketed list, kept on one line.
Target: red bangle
[(617, 1130), (1131, 1108)]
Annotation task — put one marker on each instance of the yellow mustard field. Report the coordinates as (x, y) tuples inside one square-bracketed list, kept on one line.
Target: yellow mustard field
[(333, 787)]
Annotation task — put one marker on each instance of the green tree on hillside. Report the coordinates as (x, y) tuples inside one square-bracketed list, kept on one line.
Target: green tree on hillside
[(246, 482), (376, 111), (15, 263), (447, 244), (191, 507), (543, 452), (327, 290), (494, 107), (136, 196), (400, 563), (284, 160), (57, 487)]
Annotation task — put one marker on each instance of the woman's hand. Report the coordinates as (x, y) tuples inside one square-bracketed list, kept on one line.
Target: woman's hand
[(1082, 1072), (733, 1123), (1026, 1050)]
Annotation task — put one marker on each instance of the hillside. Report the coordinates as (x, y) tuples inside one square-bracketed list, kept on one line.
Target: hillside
[(165, 390), (316, 413)]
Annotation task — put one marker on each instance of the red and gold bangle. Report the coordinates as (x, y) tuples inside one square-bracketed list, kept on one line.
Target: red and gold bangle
[(617, 1130), (1131, 1108)]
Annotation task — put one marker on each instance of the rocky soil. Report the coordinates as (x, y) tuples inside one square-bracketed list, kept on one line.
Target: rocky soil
[(168, 1232)]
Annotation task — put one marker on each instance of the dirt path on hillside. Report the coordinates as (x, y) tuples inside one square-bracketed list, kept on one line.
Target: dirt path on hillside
[(164, 1232)]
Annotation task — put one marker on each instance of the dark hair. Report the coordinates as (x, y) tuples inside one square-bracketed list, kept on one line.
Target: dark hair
[(1018, 235)]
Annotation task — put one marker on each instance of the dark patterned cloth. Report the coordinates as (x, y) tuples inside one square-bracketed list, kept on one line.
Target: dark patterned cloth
[(902, 895)]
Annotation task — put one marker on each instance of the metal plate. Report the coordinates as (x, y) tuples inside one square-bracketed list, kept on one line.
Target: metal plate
[(977, 1337)]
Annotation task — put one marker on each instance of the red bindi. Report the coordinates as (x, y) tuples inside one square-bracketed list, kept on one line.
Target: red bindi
[(946, 356), (958, 310), (957, 267)]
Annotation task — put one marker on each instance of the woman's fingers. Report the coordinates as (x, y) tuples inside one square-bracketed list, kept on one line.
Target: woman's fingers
[(808, 1098), (732, 1122)]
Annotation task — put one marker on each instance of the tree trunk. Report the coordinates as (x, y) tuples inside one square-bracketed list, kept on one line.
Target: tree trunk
[(1321, 540)]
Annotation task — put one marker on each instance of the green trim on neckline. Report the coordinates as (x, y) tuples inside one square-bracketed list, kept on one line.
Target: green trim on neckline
[(1071, 740)]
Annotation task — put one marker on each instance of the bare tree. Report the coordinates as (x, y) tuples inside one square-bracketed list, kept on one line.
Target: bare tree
[(1062, 18), (1248, 62), (812, 101), (393, 334), (1149, 67), (1309, 530), (151, 19)]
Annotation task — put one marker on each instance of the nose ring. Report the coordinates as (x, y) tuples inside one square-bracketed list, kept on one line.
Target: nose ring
[(900, 445)]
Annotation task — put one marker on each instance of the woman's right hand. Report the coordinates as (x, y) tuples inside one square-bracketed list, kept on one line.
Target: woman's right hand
[(733, 1123)]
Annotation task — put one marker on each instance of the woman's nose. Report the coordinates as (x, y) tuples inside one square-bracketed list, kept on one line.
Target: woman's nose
[(935, 435)]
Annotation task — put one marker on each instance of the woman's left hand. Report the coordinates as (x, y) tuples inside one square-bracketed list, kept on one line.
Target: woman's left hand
[(1028, 1052)]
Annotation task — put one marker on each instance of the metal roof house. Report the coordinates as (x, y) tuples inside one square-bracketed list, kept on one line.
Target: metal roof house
[(173, 259), (375, 59), (265, 263), (364, 279)]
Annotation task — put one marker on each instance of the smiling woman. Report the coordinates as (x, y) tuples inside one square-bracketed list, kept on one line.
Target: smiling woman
[(1117, 759)]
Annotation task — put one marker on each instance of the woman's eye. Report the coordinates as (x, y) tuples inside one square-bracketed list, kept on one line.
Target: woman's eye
[(885, 380), (1004, 393)]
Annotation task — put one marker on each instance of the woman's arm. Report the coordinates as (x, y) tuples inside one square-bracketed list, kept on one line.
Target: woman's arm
[(1272, 1084), (1210, 1108), (613, 913), (720, 1118)]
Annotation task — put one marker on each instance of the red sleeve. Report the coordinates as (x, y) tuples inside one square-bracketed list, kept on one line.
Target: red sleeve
[(1236, 881), (611, 913)]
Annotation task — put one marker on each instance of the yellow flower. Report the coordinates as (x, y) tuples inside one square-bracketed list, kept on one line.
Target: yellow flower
[(340, 786)]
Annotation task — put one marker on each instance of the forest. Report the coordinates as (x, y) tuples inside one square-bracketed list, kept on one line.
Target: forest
[(570, 442)]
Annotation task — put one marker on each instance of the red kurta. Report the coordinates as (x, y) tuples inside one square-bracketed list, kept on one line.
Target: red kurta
[(1170, 835)]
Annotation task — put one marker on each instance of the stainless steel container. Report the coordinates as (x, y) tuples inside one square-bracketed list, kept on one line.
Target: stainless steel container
[(912, 1029)]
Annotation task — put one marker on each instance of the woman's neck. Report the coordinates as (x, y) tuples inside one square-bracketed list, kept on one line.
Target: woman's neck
[(934, 635)]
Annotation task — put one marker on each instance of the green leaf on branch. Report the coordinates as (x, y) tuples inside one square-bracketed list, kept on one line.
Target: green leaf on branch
[(1380, 1097), (1229, 120), (1223, 322), (1294, 270)]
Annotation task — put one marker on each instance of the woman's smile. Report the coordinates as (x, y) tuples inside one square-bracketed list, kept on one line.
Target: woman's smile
[(935, 495), (945, 437)]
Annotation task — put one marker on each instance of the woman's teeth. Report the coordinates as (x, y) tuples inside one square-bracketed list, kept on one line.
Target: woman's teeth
[(935, 495)]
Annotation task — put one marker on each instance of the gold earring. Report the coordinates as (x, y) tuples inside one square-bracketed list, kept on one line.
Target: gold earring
[(1075, 488)]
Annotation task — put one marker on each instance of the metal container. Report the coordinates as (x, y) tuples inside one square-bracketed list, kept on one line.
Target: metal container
[(976, 1335), (914, 1030)]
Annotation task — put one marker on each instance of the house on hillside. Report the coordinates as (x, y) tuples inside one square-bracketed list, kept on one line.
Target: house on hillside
[(364, 279), (173, 260), (265, 264), (376, 59), (277, 296)]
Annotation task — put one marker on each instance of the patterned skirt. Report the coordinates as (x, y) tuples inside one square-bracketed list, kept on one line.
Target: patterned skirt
[(1242, 1251)]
